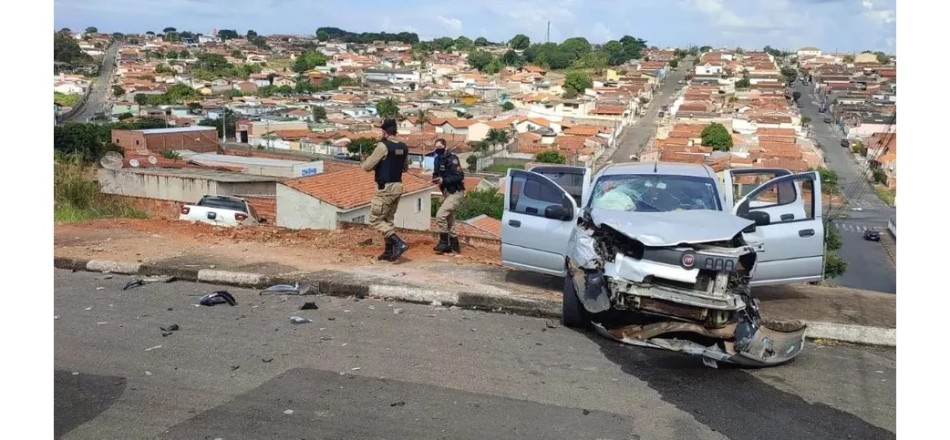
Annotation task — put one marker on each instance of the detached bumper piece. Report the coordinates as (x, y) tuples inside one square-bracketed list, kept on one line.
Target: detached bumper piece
[(751, 342)]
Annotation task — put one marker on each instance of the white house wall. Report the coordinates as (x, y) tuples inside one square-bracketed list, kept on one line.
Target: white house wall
[(296, 210)]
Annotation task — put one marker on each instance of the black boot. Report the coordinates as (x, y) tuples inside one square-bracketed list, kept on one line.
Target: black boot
[(443, 245), (454, 245), (388, 252), (399, 247)]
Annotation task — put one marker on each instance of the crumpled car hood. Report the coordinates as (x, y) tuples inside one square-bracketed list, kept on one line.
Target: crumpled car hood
[(672, 228)]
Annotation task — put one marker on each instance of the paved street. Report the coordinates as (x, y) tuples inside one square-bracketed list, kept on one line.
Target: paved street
[(638, 134), (866, 262), (101, 93), (377, 369)]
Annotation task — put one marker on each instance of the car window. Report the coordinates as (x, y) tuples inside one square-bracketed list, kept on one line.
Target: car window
[(775, 195), (573, 183), (654, 193), (223, 203), (533, 194)]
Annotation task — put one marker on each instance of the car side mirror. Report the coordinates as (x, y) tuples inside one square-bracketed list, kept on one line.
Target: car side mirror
[(262, 220), (557, 212), (761, 218)]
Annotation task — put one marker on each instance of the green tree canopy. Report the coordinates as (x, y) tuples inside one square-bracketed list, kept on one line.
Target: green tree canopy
[(519, 42), (717, 136), (481, 41), (550, 156), (575, 82), (387, 108), (308, 60), (361, 146)]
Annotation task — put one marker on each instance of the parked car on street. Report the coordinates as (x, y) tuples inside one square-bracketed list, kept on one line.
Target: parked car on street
[(221, 211), (664, 255), (846, 143), (872, 235), (827, 120)]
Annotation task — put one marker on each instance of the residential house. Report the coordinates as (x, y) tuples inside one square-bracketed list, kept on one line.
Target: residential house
[(392, 76), (324, 200), (808, 52)]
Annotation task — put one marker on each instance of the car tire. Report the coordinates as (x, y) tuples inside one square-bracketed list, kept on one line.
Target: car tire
[(573, 313)]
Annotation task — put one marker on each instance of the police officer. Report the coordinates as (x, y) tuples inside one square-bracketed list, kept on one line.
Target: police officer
[(388, 161), (448, 174)]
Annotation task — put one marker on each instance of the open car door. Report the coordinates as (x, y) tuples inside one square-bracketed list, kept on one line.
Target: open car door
[(537, 223), (788, 232), (573, 179)]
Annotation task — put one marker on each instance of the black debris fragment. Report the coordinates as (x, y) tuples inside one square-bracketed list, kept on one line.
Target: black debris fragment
[(399, 403), (586, 412), (219, 297), (171, 328), (267, 361), (166, 334), (309, 306), (235, 367)]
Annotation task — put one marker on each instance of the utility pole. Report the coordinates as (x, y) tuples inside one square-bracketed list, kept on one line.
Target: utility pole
[(548, 37)]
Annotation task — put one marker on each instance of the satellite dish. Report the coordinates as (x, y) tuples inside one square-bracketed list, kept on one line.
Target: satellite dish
[(134, 163), (111, 161), (152, 160)]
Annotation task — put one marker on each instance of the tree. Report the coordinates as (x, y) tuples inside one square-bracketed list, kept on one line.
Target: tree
[(508, 105), (387, 108), (319, 114), (250, 35), (125, 116), (230, 123), (743, 83), (498, 137), (236, 54), (117, 91), (805, 120), (481, 41), (443, 43), (835, 266), (848, 59), (323, 35), (796, 95), (511, 58), (308, 60), (184, 54), (789, 73), (169, 29), (478, 202), (717, 136), (882, 57), (616, 55), (576, 47), (479, 59), (519, 42), (92, 30), (674, 63), (472, 161), (67, 50), (361, 146), (228, 34), (829, 180), (140, 98), (164, 69), (575, 82), (550, 156), (464, 43), (171, 55)]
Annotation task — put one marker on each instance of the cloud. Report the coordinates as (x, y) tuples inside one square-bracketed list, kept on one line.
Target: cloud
[(600, 33), (450, 24), (878, 13)]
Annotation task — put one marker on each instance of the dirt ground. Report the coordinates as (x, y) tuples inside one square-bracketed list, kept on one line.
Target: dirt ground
[(153, 239)]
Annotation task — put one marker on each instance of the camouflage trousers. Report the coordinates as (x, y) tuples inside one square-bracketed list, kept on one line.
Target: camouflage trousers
[(382, 209), (445, 217)]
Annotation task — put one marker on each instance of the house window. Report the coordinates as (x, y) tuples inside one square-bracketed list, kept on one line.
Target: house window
[(136, 142), (359, 219), (419, 205)]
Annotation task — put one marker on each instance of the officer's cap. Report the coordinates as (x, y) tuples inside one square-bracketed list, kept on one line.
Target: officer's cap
[(388, 124)]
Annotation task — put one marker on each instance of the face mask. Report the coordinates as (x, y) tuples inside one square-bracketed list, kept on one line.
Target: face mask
[(440, 151)]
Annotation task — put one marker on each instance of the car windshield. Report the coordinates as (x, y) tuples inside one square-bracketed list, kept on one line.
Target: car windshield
[(654, 193)]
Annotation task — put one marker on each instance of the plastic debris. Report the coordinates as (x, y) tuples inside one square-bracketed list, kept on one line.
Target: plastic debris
[(171, 328), (153, 348), (299, 320), (399, 403), (133, 283), (267, 361), (219, 297), (288, 411), (148, 373), (287, 289)]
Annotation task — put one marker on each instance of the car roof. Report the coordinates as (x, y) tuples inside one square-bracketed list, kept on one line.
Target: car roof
[(666, 168)]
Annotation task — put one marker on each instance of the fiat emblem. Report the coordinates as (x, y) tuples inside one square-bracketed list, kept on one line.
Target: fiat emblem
[(688, 260)]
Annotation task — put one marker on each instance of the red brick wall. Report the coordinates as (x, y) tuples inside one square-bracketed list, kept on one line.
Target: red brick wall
[(207, 140), (155, 208), (266, 206)]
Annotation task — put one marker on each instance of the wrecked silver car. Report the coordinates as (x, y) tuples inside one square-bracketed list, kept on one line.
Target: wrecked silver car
[(665, 256)]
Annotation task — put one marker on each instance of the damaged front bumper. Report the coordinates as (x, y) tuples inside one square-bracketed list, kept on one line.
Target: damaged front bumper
[(749, 343)]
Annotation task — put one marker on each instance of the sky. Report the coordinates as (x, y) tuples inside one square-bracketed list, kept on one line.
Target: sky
[(832, 25)]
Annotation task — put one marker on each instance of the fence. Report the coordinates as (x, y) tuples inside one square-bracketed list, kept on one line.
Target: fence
[(892, 226)]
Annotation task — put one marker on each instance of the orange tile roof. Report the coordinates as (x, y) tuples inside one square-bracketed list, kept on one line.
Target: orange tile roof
[(349, 188), (775, 132), (487, 224), (777, 139), (793, 165), (582, 130), (608, 110)]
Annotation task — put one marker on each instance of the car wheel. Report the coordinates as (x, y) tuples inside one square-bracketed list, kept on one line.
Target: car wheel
[(573, 313)]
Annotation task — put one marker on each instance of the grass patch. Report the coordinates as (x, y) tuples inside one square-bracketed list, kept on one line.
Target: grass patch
[(886, 194), (502, 169), (66, 99), (76, 197), (280, 63)]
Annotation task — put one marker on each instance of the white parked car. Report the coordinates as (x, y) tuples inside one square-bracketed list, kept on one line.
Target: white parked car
[(221, 211), (664, 255)]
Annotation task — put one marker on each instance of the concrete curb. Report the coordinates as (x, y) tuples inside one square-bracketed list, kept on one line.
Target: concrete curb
[(494, 303)]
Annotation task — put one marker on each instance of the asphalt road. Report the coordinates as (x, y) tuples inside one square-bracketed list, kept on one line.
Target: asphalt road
[(869, 266), (376, 369), (638, 134), (101, 94)]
